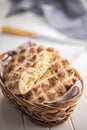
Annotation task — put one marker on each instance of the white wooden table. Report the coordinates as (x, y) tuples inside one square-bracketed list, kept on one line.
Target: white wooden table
[(13, 119)]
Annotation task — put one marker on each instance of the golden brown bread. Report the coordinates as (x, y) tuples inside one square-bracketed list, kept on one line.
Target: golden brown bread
[(39, 74)]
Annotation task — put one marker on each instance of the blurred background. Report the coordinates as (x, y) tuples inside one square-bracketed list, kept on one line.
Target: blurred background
[(52, 20), (66, 16)]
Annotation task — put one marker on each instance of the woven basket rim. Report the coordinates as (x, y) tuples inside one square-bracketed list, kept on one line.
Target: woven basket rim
[(10, 53)]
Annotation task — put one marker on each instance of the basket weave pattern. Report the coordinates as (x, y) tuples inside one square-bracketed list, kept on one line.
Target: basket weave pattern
[(44, 114)]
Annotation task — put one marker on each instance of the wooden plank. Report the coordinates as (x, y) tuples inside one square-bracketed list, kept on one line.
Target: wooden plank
[(10, 118), (10, 42), (68, 51), (64, 126), (29, 125), (79, 117)]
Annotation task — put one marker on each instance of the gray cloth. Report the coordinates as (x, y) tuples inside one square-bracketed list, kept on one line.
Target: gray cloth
[(66, 16)]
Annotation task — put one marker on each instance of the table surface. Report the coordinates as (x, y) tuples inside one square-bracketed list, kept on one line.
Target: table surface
[(13, 119)]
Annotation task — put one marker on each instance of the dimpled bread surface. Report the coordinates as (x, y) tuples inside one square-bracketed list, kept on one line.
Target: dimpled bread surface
[(39, 74)]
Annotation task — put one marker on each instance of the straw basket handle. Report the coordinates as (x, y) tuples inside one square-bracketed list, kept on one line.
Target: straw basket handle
[(1, 84), (3, 58)]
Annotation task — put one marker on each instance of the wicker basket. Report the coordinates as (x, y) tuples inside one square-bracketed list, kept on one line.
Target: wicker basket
[(48, 114)]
